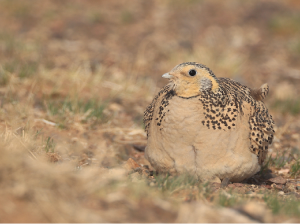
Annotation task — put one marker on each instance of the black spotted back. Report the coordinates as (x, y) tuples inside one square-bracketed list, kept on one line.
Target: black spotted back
[(221, 110)]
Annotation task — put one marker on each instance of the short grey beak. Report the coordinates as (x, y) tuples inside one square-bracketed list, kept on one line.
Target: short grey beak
[(167, 76)]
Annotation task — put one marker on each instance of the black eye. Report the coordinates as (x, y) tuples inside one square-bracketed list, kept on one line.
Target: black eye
[(192, 72)]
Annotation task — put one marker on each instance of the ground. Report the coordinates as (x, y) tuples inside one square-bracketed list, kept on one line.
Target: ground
[(76, 77)]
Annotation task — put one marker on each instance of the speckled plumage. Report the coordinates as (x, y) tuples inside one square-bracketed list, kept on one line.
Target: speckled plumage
[(212, 107)]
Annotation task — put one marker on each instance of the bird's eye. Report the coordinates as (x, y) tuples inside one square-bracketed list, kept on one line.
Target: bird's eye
[(192, 72)]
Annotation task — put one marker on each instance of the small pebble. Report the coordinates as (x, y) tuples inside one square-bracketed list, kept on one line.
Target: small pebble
[(278, 180), (224, 182), (152, 184), (281, 193)]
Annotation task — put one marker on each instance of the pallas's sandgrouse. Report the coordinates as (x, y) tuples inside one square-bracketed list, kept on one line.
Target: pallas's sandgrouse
[(207, 126)]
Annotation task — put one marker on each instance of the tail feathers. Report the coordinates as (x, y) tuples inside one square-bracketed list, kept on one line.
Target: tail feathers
[(261, 93)]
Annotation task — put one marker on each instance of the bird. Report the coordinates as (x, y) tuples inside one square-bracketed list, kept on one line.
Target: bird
[(210, 127)]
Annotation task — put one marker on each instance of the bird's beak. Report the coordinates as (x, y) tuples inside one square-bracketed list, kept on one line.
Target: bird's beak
[(167, 76)]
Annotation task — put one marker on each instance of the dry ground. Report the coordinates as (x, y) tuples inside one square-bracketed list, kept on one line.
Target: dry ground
[(76, 76)]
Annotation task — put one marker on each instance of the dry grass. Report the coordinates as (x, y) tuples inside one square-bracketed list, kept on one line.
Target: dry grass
[(76, 76)]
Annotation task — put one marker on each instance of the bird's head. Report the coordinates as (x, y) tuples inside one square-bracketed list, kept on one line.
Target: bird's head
[(191, 79)]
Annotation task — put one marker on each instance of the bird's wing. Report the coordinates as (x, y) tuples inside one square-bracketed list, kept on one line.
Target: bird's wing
[(261, 130), (148, 114), (260, 121)]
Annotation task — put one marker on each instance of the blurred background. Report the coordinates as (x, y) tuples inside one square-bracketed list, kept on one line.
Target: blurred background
[(77, 75)]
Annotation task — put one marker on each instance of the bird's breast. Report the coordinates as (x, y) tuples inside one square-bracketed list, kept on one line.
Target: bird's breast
[(180, 119)]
